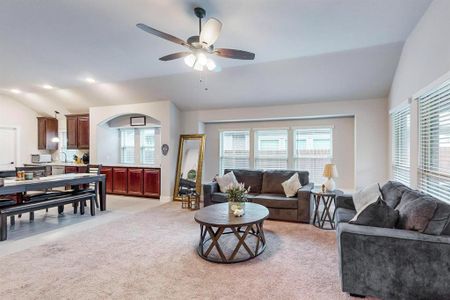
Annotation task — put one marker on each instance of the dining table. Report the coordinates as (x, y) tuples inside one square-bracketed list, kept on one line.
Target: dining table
[(75, 180)]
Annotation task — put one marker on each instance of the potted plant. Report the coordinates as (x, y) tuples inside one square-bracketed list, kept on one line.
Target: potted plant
[(237, 196)]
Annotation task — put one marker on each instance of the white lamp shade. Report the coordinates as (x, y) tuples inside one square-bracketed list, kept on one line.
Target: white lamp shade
[(190, 60), (330, 171), (210, 32), (210, 64)]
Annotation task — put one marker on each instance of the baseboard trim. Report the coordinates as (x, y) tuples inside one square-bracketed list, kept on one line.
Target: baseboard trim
[(165, 199)]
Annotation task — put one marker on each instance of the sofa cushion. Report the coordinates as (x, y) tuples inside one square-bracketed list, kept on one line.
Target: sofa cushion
[(416, 211), (222, 197), (377, 214), (275, 201), (291, 186), (366, 196), (272, 180), (219, 197), (250, 178), (344, 215), (226, 180), (392, 192), (441, 218)]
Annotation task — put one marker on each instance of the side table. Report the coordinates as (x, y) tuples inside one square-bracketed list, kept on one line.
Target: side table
[(328, 199)]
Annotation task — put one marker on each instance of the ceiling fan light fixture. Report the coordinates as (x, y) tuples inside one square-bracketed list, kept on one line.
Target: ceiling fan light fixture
[(210, 64), (190, 60), (198, 66), (202, 59), (210, 32)]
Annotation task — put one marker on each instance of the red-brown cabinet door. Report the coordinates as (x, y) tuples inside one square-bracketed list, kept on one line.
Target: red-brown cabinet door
[(152, 183), (83, 132), (109, 178), (71, 170), (72, 132), (120, 181), (135, 182), (42, 134)]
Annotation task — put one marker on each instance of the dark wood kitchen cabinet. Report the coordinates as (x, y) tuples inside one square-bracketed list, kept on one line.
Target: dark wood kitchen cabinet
[(47, 130), (152, 183), (108, 172), (120, 181), (135, 182), (77, 131)]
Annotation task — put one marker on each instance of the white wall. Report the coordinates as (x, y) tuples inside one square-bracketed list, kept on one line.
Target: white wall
[(370, 131), (343, 144), (426, 54), (164, 111), (15, 114), (424, 64)]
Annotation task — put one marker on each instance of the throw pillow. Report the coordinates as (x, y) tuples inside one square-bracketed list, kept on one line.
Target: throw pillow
[(365, 197), (415, 214), (440, 220), (377, 214), (292, 185), (225, 180)]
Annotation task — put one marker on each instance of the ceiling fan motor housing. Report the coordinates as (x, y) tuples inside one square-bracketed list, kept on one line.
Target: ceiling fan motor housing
[(200, 12)]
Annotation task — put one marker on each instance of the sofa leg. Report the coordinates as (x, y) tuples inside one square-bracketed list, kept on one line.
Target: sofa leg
[(357, 296)]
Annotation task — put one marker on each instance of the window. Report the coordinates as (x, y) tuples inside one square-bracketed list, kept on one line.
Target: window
[(127, 142), (63, 143), (313, 148), (147, 146), (271, 149), (234, 150), (400, 121), (434, 142)]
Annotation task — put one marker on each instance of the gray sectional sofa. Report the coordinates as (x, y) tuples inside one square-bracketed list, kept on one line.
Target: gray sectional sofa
[(266, 189), (395, 263)]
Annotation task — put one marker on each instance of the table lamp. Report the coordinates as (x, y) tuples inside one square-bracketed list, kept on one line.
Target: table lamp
[(330, 171)]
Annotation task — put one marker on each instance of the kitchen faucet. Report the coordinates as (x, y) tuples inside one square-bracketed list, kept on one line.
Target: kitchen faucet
[(65, 156)]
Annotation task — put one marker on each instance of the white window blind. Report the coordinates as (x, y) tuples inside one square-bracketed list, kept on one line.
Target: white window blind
[(234, 150), (400, 121), (127, 155), (313, 148), (271, 149), (147, 143), (434, 138)]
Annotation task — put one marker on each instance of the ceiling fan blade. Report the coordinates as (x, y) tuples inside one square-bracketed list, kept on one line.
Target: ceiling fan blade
[(162, 35), (174, 56), (235, 54), (210, 32)]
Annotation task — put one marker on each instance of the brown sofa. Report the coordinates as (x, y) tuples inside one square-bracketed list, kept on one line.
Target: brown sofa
[(266, 189)]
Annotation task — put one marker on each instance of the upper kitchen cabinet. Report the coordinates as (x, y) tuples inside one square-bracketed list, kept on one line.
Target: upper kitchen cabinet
[(47, 130), (77, 131)]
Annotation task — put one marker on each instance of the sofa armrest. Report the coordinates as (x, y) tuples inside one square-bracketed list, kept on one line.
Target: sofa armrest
[(393, 263), (304, 203), (345, 201), (208, 190)]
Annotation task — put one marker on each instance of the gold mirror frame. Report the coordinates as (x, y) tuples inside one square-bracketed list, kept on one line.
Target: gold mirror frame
[(198, 182)]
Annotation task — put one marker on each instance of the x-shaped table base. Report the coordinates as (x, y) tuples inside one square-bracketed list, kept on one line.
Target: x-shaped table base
[(241, 233)]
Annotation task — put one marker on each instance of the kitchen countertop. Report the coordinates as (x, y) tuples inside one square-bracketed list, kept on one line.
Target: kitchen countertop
[(58, 164), (132, 166)]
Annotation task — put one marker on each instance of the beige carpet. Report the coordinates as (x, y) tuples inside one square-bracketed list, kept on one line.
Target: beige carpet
[(151, 255)]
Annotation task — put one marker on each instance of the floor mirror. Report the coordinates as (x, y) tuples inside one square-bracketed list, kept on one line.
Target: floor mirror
[(189, 166)]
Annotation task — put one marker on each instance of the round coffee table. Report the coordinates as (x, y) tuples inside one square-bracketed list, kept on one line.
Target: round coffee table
[(222, 226)]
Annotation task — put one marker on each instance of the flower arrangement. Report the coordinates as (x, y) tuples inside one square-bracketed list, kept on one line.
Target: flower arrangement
[(237, 196)]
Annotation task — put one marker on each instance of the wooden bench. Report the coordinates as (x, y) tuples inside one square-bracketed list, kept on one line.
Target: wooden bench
[(38, 205)]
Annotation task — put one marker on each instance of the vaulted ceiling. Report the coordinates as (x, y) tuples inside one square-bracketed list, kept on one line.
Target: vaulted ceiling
[(306, 50)]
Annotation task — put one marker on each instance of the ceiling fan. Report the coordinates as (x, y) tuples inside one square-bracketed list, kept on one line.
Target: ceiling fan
[(200, 45)]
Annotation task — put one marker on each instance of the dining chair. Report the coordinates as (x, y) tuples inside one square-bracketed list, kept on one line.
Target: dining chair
[(30, 196), (8, 200), (92, 187)]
